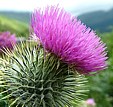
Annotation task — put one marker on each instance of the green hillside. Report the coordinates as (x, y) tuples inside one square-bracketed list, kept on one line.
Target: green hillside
[(99, 20), (14, 26), (21, 16)]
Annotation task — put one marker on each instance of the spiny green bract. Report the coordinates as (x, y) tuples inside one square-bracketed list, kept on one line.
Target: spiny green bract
[(32, 77)]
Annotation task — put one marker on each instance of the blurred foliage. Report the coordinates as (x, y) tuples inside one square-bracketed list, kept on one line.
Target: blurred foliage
[(15, 27), (101, 85), (108, 39)]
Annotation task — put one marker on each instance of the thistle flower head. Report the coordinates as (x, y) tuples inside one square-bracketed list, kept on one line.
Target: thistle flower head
[(65, 36), (7, 40)]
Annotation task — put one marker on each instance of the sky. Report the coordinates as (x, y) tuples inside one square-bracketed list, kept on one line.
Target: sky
[(73, 6)]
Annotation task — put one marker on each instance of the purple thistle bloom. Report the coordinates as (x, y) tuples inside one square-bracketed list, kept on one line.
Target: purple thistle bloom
[(7, 41), (90, 102), (62, 34)]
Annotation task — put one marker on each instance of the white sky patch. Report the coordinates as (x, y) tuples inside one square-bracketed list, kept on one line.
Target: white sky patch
[(69, 5)]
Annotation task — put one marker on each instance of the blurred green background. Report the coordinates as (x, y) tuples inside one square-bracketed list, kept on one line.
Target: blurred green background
[(16, 26)]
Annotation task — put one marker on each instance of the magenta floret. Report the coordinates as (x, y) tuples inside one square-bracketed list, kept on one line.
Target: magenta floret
[(68, 38)]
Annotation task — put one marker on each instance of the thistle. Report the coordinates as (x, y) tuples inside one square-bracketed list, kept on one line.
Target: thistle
[(6, 41), (68, 38), (45, 74), (33, 78)]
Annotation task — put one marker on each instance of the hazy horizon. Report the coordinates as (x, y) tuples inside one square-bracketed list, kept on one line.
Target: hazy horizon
[(74, 6)]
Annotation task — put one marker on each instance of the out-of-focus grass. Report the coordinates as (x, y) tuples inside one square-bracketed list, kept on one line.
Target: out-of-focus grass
[(101, 85), (19, 28)]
